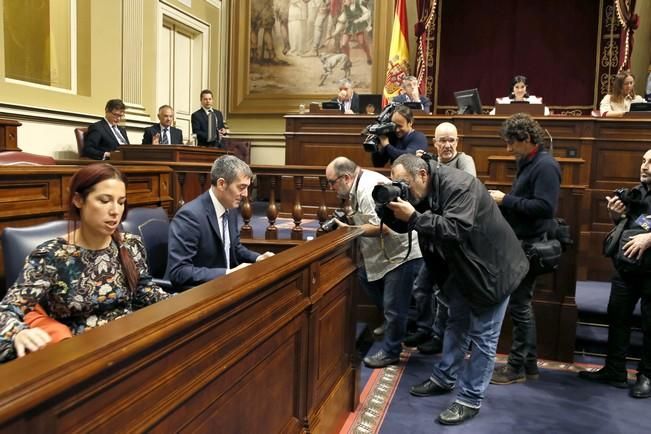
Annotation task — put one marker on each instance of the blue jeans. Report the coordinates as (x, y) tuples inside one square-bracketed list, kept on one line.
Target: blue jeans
[(394, 290), (482, 329)]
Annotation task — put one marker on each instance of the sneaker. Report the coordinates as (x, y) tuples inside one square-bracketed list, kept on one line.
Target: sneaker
[(417, 338), (380, 360), (378, 331), (456, 414), (607, 376), (505, 374), (433, 346)]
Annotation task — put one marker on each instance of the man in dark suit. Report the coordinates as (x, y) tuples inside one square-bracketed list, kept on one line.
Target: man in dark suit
[(105, 136), (199, 247), (163, 133), (410, 93), (208, 123), (347, 98)]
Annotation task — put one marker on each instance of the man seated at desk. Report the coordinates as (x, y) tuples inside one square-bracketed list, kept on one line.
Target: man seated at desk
[(204, 240), (163, 133), (347, 98), (410, 93), (105, 136), (208, 123), (405, 139)]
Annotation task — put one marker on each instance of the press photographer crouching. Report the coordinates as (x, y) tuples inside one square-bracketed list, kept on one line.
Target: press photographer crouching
[(390, 261), (628, 246), (473, 255), (404, 139)]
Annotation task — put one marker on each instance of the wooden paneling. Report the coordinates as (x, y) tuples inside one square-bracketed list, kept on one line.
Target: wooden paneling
[(611, 149), (266, 349)]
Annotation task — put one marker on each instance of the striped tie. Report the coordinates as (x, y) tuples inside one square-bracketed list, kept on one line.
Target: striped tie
[(163, 139)]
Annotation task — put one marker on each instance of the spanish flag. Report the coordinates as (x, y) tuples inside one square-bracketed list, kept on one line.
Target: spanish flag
[(398, 65)]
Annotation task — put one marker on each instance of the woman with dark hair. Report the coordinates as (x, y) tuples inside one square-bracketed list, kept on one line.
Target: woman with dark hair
[(519, 93), (92, 276), (619, 100)]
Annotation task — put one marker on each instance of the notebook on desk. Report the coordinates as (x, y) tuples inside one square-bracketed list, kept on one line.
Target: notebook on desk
[(520, 107)]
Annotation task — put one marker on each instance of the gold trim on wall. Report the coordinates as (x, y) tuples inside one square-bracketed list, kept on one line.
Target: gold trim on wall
[(242, 101)]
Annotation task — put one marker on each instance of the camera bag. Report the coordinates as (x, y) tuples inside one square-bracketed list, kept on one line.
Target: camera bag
[(544, 255)]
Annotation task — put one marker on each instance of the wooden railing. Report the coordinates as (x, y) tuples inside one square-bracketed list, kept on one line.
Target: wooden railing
[(266, 349)]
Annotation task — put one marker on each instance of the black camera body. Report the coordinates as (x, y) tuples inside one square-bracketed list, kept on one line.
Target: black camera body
[(385, 193), (330, 224), (382, 127), (628, 196)]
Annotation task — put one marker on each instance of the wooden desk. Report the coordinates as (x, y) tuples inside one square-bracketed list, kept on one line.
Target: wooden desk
[(267, 349), (165, 153), (611, 148)]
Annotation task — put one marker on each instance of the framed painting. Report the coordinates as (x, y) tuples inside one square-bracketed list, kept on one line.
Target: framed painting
[(290, 52)]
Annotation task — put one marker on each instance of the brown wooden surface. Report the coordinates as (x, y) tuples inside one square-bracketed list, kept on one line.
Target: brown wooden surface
[(167, 153), (611, 148), (267, 349), (554, 297), (36, 194), (9, 135)]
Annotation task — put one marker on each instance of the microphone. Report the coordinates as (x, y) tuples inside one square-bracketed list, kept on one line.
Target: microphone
[(551, 142)]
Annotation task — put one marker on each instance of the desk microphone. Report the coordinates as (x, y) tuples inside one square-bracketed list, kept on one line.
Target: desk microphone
[(551, 143)]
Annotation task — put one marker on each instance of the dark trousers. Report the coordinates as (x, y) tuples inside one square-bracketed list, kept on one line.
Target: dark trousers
[(523, 349), (393, 292), (430, 315), (625, 291)]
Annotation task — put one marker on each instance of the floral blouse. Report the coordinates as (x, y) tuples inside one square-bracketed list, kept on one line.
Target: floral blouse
[(79, 287)]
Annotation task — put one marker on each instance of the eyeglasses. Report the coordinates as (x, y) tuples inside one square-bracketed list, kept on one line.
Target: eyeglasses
[(118, 114), (332, 182), (445, 139)]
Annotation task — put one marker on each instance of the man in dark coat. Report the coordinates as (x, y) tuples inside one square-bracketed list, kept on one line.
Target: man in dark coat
[(473, 255), (105, 136)]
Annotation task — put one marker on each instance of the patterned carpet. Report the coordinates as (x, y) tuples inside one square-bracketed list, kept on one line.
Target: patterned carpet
[(558, 402)]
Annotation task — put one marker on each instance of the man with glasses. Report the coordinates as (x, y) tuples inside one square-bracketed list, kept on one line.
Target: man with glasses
[(432, 315), (204, 239), (163, 133), (410, 93), (473, 255), (390, 260), (404, 140), (105, 136)]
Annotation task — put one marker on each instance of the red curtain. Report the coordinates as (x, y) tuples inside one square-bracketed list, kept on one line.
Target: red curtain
[(484, 43)]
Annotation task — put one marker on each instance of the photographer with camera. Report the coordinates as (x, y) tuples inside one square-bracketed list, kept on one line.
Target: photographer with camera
[(404, 139), (473, 255), (629, 209), (390, 261), (529, 208), (431, 315)]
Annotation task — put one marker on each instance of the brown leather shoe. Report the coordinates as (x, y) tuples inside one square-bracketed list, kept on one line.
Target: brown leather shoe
[(505, 374)]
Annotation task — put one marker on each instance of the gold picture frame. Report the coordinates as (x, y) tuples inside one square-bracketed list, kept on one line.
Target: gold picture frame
[(248, 97)]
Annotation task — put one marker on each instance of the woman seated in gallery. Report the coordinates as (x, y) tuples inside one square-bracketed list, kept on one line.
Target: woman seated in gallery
[(93, 275), (519, 94), (619, 100)]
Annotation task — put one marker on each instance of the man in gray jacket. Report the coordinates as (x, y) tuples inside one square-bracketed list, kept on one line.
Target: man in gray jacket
[(474, 256)]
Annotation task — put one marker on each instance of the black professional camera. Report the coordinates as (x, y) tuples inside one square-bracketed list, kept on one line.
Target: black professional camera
[(382, 127), (330, 224), (385, 193), (628, 196)]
